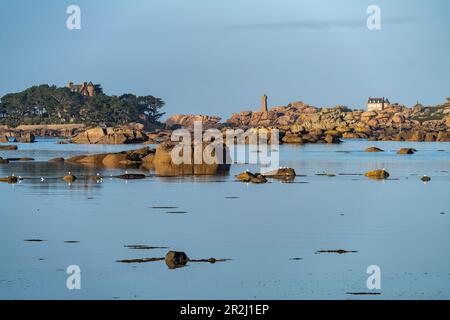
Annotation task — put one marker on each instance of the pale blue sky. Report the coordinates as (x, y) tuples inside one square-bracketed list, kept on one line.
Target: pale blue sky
[(219, 57)]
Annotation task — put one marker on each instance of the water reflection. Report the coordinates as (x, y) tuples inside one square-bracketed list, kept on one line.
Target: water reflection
[(382, 220)]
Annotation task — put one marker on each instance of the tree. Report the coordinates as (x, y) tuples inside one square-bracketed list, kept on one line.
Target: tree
[(46, 104)]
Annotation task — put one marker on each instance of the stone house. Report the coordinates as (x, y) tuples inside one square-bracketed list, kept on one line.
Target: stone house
[(86, 89), (377, 104)]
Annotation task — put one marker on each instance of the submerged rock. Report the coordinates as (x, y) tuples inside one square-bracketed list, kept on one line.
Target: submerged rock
[(130, 176), (144, 260), (8, 147), (56, 160), (425, 179), (245, 176), (3, 161), (377, 174), (407, 151), (374, 149), (339, 251), (96, 177), (142, 247), (69, 178), (10, 179), (20, 159), (258, 179), (281, 173), (175, 259)]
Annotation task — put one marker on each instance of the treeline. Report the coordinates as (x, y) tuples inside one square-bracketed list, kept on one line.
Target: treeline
[(46, 104)]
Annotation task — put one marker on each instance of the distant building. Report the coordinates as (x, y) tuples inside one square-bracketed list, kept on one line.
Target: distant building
[(376, 104), (264, 104), (86, 89)]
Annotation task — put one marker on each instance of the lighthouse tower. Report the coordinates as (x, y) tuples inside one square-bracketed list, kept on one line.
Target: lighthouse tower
[(264, 104)]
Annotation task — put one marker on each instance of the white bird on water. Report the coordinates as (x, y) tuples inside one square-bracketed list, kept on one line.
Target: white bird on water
[(42, 179)]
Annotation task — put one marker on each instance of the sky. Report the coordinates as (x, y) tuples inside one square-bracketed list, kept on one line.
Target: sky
[(217, 57)]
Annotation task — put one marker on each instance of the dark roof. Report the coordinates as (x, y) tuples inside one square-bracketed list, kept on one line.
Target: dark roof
[(378, 100)]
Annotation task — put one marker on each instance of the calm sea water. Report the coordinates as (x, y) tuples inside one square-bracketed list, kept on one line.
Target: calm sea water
[(401, 225)]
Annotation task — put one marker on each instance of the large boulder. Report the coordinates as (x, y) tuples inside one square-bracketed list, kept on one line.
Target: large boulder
[(166, 166), (245, 176), (187, 121), (90, 136), (332, 139), (281, 173), (406, 151), (69, 178), (290, 137), (3, 138), (377, 174), (119, 135), (374, 149), (176, 259), (443, 136)]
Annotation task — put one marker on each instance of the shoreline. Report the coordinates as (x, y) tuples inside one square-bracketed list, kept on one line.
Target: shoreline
[(298, 123)]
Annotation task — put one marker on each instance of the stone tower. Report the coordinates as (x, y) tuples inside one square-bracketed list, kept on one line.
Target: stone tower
[(264, 104), (90, 89)]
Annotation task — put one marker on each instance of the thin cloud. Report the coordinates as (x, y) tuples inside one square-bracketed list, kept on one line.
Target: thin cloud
[(317, 25)]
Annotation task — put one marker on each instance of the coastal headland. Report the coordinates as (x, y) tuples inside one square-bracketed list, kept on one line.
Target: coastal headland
[(297, 123)]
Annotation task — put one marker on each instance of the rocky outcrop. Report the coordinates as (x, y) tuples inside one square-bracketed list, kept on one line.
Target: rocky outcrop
[(114, 160), (300, 135), (396, 123), (25, 137), (119, 135), (45, 130), (52, 130), (247, 176), (187, 121)]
